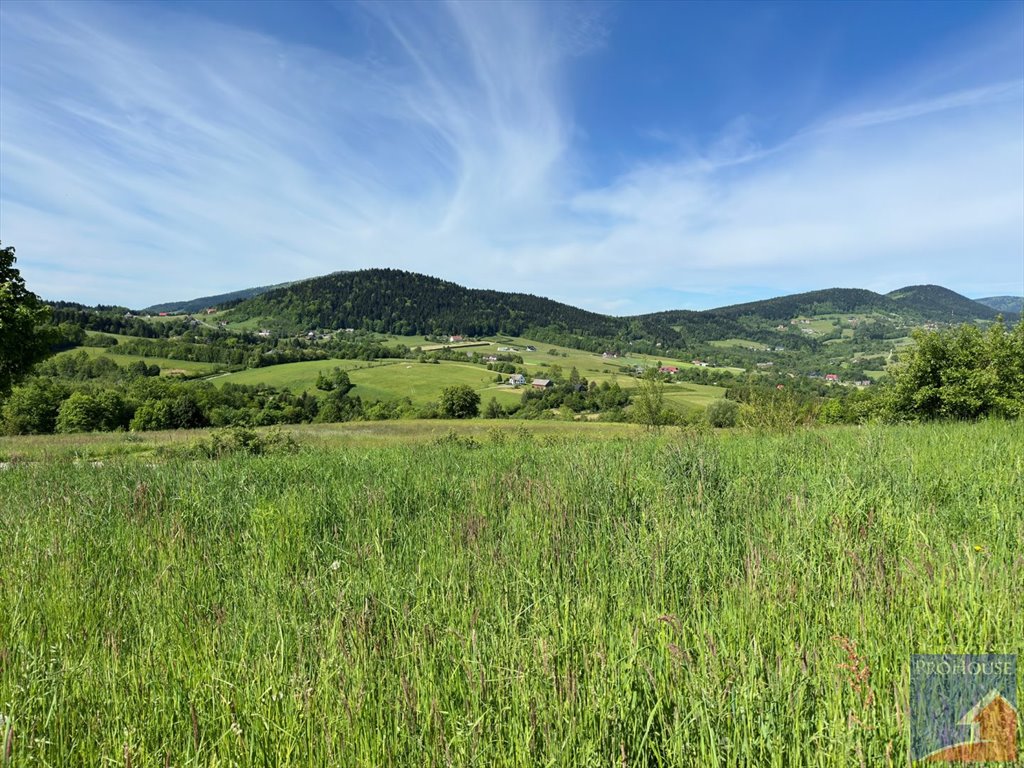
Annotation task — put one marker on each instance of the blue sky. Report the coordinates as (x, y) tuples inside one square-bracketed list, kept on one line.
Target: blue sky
[(623, 157)]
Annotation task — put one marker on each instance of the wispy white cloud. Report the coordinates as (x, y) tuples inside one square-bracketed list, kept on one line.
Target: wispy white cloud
[(1011, 92), (148, 155)]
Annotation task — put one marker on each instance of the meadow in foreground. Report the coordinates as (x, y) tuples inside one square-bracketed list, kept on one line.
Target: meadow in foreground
[(682, 599)]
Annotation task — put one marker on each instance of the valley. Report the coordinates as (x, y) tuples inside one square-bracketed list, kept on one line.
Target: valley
[(398, 341)]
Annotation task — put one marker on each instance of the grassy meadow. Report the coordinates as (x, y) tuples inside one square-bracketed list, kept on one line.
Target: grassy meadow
[(501, 596)]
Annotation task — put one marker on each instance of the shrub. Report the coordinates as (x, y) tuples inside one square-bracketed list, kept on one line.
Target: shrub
[(84, 412), (224, 442), (722, 413)]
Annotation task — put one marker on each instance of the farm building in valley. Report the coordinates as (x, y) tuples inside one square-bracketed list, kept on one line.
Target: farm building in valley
[(541, 383)]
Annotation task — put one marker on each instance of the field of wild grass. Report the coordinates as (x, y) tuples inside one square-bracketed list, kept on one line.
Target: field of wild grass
[(682, 599)]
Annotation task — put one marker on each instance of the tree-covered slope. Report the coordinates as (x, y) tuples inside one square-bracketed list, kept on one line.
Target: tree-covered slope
[(406, 303), (1004, 304), (810, 303), (756, 320), (937, 303)]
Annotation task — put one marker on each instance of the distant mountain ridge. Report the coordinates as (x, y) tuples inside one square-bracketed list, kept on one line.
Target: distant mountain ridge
[(926, 302), (407, 303), (203, 302), (1004, 303)]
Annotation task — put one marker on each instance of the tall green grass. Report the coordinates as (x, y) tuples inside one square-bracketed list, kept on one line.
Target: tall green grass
[(676, 600)]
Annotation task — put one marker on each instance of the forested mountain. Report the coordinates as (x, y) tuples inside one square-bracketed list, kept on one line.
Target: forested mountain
[(1004, 303), (810, 303), (220, 300), (937, 303), (925, 302), (406, 303)]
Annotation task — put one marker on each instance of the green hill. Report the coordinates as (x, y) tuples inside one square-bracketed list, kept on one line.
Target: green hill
[(408, 304)]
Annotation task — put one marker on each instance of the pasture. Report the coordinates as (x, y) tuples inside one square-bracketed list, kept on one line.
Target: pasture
[(511, 599), (423, 382)]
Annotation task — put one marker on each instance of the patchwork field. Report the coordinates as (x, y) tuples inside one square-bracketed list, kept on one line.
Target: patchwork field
[(590, 364), (516, 598), (423, 382)]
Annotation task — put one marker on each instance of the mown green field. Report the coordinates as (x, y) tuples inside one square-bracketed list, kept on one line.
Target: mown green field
[(518, 599), (298, 377), (424, 382), (383, 380)]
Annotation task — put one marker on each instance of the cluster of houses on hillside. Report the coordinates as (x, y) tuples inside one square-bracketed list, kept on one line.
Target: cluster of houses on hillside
[(519, 380), (833, 378)]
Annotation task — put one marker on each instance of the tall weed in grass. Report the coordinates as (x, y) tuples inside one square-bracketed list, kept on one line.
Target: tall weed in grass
[(688, 599)]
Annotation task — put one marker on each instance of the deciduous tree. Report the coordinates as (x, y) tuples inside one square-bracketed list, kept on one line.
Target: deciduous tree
[(459, 402), (649, 404), (25, 336)]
